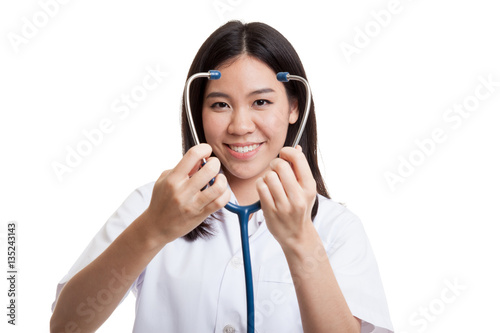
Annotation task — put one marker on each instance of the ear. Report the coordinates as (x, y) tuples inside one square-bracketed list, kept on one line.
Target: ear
[(294, 111)]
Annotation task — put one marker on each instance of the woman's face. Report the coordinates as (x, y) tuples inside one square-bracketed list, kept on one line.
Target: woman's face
[(246, 114)]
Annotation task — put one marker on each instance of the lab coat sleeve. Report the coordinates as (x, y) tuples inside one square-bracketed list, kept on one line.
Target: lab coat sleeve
[(356, 269), (131, 208)]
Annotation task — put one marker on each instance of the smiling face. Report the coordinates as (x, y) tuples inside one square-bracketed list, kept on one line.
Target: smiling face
[(246, 114)]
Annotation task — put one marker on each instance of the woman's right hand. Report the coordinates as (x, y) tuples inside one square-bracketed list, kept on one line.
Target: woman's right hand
[(178, 204)]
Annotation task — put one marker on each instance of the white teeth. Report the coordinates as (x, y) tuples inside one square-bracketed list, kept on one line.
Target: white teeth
[(244, 149)]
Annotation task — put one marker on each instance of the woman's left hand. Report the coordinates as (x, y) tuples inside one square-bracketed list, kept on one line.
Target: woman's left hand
[(287, 193)]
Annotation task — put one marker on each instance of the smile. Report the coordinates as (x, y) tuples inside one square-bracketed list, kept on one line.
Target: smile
[(244, 149)]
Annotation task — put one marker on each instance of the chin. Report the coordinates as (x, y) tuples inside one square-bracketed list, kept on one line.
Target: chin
[(241, 173)]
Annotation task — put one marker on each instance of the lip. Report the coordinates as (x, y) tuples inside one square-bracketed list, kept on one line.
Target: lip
[(248, 154)]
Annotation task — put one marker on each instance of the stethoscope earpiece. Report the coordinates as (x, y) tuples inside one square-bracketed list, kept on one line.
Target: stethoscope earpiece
[(244, 212)]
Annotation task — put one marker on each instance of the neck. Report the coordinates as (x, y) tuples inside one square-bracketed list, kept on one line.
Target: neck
[(244, 189)]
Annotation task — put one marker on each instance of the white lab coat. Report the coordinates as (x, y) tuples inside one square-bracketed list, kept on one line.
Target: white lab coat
[(200, 287)]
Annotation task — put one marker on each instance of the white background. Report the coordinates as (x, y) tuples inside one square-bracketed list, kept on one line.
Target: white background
[(440, 224)]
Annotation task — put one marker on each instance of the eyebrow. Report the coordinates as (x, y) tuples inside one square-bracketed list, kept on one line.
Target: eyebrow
[(216, 94)]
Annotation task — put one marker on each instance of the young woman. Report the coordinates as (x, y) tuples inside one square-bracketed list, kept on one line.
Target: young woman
[(179, 251)]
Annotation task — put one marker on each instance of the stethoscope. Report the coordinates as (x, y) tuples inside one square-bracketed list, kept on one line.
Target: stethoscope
[(244, 212)]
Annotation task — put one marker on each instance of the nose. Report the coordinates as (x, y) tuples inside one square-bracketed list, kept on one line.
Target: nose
[(241, 122)]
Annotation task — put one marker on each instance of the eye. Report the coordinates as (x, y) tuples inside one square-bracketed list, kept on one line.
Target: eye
[(262, 102), (219, 105)]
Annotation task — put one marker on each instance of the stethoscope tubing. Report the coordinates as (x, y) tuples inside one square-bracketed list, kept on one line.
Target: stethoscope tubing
[(244, 212)]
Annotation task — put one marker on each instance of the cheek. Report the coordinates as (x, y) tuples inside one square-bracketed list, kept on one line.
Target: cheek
[(274, 125), (212, 126)]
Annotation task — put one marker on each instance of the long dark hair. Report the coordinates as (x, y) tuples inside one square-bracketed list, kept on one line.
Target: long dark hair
[(269, 46)]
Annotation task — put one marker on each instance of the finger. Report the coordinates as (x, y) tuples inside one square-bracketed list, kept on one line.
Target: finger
[(191, 161), (217, 204), (265, 197), (287, 178), (211, 193), (299, 165), (205, 174), (195, 168), (215, 197), (276, 189)]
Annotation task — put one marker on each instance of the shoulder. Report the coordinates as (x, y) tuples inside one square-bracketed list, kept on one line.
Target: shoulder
[(333, 214), (143, 193), (140, 198), (335, 223), (133, 206)]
